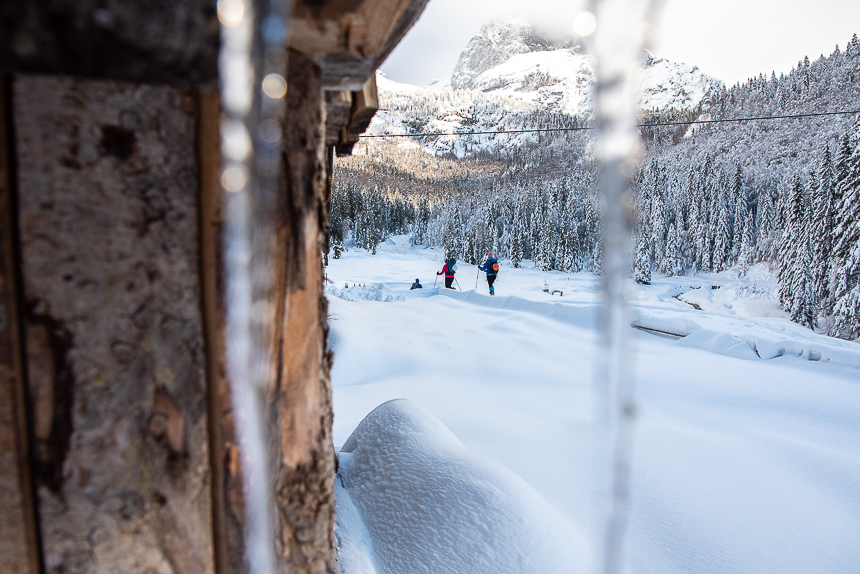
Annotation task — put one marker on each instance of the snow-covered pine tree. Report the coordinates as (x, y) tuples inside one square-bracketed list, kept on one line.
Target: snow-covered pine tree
[(804, 308), (672, 258), (546, 243), (642, 263), (739, 205), (746, 256), (597, 258), (822, 229), (794, 236), (720, 233), (845, 277), (518, 233), (846, 311), (336, 226)]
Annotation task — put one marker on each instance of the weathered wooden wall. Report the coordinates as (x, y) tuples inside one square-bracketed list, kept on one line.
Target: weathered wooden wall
[(108, 187), (299, 402), (117, 446), (135, 455)]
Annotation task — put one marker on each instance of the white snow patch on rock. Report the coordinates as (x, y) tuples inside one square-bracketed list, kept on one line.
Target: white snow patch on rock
[(431, 505)]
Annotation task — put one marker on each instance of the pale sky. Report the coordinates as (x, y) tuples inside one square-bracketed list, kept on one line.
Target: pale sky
[(729, 39)]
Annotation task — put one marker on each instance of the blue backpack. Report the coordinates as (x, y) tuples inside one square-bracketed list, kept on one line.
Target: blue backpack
[(492, 266), (451, 263)]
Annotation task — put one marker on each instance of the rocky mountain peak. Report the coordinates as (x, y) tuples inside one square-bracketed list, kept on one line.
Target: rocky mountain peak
[(497, 42)]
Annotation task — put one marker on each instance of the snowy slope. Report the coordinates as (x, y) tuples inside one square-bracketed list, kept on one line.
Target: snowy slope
[(431, 505), (740, 463)]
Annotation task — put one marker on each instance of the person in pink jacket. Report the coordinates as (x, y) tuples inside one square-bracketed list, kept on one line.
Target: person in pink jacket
[(449, 269)]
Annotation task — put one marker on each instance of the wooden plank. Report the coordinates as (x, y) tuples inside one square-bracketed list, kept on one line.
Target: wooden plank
[(299, 408), (108, 191), (228, 543), (338, 108), (365, 104), (18, 539)]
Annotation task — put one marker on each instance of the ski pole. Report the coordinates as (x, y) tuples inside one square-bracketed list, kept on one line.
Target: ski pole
[(478, 272), (458, 284), (434, 281)]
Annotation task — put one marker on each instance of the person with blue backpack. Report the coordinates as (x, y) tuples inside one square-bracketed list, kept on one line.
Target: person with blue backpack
[(449, 269), (491, 268)]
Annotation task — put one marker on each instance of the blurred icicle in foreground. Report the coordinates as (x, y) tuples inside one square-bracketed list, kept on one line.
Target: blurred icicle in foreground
[(252, 62), (615, 32)]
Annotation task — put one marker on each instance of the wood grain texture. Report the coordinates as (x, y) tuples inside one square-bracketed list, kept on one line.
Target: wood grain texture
[(299, 408), (108, 189), (18, 536)]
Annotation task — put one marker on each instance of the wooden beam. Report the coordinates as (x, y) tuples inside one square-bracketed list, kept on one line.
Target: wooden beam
[(338, 108), (108, 191), (227, 542), (349, 39), (299, 408), (18, 531)]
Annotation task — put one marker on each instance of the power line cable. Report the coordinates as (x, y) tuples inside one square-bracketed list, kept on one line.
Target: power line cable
[(584, 128)]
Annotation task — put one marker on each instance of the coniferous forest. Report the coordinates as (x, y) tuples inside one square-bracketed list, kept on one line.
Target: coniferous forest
[(707, 197)]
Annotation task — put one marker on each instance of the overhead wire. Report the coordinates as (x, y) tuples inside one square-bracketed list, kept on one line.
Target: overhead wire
[(585, 128)]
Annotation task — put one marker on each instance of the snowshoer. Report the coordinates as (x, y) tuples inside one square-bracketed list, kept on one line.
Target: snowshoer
[(416, 285), (491, 267), (449, 269)]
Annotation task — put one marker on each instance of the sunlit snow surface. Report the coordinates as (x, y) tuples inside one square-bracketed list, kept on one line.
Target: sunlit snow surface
[(431, 505), (740, 464)]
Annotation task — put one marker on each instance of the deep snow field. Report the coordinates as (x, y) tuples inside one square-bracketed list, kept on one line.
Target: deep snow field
[(746, 453)]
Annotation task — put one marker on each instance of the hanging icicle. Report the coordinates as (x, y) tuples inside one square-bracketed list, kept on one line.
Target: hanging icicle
[(615, 31), (253, 67)]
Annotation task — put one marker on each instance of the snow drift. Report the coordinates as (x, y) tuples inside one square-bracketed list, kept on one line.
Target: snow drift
[(430, 505), (372, 292)]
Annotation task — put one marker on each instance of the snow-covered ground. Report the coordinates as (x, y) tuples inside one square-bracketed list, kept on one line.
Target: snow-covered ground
[(747, 440)]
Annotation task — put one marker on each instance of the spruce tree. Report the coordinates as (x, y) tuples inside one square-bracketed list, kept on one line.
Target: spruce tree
[(845, 276), (672, 263), (822, 229), (642, 263), (804, 308)]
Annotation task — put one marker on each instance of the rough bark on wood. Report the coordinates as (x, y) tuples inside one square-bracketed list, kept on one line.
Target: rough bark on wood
[(18, 538), (299, 402), (108, 195)]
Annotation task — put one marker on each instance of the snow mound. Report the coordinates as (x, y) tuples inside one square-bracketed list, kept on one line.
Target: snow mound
[(430, 505), (719, 342), (371, 292), (674, 325), (838, 352)]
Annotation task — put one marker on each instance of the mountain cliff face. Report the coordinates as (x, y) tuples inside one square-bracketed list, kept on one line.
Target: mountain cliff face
[(498, 41), (510, 58), (510, 78)]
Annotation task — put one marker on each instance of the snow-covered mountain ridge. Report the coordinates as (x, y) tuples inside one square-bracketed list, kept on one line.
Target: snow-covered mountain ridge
[(559, 76), (497, 42), (509, 78)]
